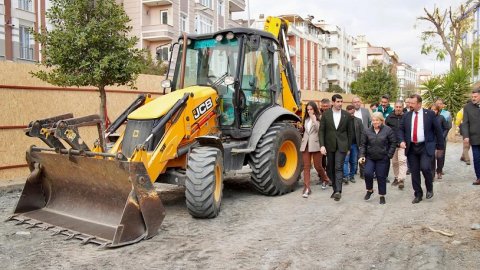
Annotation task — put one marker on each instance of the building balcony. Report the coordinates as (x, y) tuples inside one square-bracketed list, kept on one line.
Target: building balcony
[(332, 77), (236, 5), (332, 45), (159, 32), (332, 61), (152, 3)]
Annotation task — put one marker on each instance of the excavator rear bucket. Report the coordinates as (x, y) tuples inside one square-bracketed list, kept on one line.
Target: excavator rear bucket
[(107, 202)]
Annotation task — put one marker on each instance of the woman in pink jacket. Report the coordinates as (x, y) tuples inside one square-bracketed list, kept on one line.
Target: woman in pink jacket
[(311, 148)]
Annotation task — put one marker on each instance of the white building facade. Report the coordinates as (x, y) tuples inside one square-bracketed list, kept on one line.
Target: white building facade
[(17, 18)]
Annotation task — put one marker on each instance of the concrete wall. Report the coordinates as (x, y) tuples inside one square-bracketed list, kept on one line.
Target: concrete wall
[(25, 98)]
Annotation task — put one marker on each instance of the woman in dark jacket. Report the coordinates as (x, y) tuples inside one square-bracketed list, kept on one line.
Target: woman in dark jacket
[(438, 161), (377, 148)]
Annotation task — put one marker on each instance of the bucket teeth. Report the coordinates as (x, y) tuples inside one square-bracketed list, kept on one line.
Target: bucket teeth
[(60, 231), (48, 227), (33, 225), (73, 235), (22, 221), (87, 240)]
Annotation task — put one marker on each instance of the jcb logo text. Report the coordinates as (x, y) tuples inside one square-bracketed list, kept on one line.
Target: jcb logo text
[(202, 108)]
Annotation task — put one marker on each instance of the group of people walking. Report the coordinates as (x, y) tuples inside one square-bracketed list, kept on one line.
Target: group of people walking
[(410, 137)]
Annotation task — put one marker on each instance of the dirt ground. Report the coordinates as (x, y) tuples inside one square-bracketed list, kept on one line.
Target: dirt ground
[(286, 232)]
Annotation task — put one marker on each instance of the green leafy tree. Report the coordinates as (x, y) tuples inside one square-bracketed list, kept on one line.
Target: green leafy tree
[(89, 46), (453, 88), (374, 82), (432, 90), (443, 36), (335, 88), (153, 67)]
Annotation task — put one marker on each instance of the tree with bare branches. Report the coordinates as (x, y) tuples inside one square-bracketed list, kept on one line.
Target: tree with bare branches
[(446, 30)]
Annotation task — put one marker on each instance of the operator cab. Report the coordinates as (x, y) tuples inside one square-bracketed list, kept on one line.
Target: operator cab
[(242, 65)]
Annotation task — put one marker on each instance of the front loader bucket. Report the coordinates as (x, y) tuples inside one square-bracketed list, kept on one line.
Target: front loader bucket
[(107, 202)]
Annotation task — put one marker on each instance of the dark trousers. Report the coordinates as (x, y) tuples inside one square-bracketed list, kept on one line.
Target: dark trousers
[(335, 162), (440, 161), (419, 160), (476, 160), (379, 168), (362, 170), (437, 164)]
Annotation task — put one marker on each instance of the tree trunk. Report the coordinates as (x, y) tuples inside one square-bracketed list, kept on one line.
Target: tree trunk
[(103, 112), (453, 61)]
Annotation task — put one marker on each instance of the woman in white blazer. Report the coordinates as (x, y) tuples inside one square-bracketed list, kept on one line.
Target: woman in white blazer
[(310, 147)]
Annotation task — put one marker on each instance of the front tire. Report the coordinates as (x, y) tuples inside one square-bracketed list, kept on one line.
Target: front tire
[(204, 183), (276, 162)]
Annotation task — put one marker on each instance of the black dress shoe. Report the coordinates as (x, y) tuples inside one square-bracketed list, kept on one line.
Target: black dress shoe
[(429, 194), (417, 200)]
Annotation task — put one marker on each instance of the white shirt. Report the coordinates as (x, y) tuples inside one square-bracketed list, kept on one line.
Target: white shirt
[(308, 124), (336, 117), (358, 114), (420, 129)]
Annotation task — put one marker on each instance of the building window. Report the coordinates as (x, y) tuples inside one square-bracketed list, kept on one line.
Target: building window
[(26, 51), (25, 5), (164, 17), (204, 25), (183, 22), (220, 8), (207, 3), (162, 54)]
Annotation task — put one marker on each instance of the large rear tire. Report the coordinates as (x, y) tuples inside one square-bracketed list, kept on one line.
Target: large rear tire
[(276, 162), (204, 183)]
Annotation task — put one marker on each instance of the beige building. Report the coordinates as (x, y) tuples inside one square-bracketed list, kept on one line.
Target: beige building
[(423, 75), (366, 55), (17, 17), (158, 23)]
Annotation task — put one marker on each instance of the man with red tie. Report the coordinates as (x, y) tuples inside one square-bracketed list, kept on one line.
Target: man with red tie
[(421, 136)]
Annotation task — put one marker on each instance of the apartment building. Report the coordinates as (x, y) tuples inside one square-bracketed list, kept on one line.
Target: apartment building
[(341, 68), (307, 43), (307, 47), (407, 80), (423, 75), (367, 55), (158, 23), (17, 17)]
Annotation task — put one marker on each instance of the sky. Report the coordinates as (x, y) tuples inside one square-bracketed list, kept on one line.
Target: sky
[(386, 23)]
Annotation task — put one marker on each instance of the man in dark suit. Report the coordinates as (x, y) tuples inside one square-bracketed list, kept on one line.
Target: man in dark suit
[(471, 130), (361, 113), (335, 137), (350, 165), (421, 135), (364, 115)]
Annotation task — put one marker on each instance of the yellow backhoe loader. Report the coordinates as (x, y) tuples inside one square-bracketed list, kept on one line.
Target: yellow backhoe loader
[(233, 102)]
